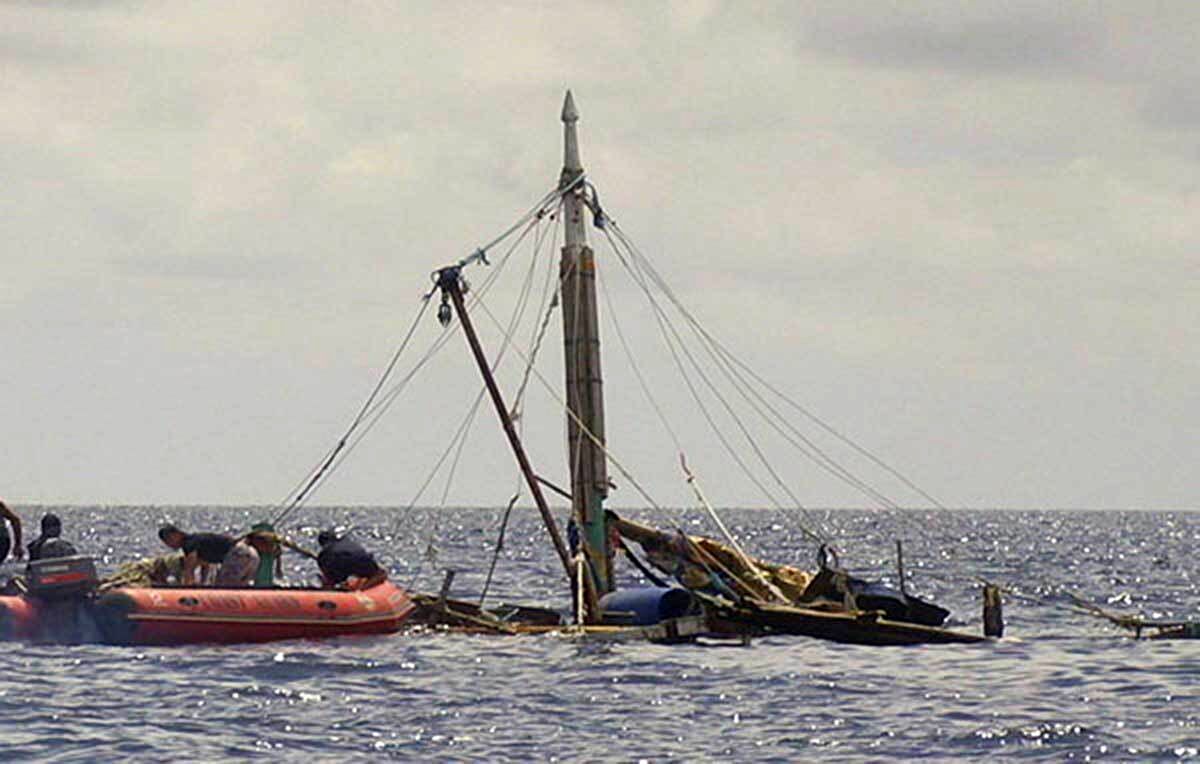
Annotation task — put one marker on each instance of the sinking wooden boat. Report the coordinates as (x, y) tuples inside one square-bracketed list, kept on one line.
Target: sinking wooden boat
[(60, 605), (860, 627), (729, 592)]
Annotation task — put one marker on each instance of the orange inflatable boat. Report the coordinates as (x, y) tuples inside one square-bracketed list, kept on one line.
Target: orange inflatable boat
[(60, 606), (172, 615)]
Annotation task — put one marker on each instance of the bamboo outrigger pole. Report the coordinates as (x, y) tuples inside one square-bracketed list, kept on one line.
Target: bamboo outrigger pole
[(450, 282)]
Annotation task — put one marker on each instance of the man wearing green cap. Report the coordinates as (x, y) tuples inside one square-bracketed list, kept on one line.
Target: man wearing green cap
[(243, 563)]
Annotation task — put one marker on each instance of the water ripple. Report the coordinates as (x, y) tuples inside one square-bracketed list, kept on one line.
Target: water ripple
[(1062, 687)]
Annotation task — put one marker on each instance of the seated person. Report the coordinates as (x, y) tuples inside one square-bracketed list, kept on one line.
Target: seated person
[(57, 548), (241, 562), (201, 551), (341, 558), (49, 544)]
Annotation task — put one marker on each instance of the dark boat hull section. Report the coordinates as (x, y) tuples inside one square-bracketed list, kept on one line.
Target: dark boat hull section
[(864, 628)]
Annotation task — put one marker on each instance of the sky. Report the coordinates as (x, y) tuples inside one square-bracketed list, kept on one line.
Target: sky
[(963, 233)]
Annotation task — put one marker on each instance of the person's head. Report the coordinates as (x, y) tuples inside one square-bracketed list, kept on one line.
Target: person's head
[(51, 525), (263, 542), (171, 536), (327, 537)]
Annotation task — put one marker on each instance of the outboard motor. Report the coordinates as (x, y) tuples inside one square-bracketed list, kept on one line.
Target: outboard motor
[(62, 588)]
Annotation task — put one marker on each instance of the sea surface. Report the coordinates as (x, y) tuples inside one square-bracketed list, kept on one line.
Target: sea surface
[(1060, 685)]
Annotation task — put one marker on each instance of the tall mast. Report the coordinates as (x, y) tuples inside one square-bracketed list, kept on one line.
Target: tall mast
[(585, 393)]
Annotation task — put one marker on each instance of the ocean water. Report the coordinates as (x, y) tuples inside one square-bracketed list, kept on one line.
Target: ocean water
[(1060, 686)]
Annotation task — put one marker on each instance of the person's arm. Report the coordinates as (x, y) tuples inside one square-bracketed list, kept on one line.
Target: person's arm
[(376, 578), (18, 548), (187, 576)]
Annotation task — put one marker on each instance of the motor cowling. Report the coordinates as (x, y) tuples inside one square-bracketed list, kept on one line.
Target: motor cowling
[(59, 578)]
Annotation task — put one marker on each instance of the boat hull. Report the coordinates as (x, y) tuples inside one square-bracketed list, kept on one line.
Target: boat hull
[(179, 616), (860, 628), (173, 616), (19, 617)]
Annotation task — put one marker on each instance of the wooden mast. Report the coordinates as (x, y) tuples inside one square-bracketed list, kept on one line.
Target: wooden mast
[(585, 394)]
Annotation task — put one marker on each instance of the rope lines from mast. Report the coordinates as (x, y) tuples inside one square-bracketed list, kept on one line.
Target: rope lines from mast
[(643, 265), (458, 441), (676, 345), (464, 432), (750, 384), (736, 372), (732, 360), (298, 495), (631, 360), (376, 405), (586, 432)]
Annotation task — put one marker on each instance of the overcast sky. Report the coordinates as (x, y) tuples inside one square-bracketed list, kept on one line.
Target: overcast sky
[(966, 234)]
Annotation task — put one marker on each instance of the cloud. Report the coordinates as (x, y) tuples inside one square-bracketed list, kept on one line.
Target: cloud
[(957, 210), (1174, 107), (958, 38)]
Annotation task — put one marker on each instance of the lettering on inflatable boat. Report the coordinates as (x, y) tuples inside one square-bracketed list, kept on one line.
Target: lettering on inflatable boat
[(278, 603), (367, 603), (227, 602)]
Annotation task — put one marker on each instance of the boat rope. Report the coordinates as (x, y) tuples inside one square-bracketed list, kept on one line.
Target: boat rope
[(736, 371), (809, 449), (668, 331), (460, 439), (406, 513), (376, 405), (327, 462), (487, 582), (750, 564), (631, 360), (732, 358), (550, 302), (583, 428), (1136, 623)]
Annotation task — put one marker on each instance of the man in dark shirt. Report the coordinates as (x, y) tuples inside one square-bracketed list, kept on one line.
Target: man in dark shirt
[(200, 550), (6, 543), (341, 558), (49, 544)]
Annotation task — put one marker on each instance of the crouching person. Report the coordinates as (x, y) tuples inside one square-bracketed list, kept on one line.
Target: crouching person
[(342, 558), (241, 564)]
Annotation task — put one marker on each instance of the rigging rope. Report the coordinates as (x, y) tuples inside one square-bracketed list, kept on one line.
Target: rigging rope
[(374, 408), (459, 441), (668, 331), (810, 450), (699, 328), (326, 463), (583, 429)]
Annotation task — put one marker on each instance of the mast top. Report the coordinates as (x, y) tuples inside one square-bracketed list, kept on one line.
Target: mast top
[(572, 166), (569, 112)]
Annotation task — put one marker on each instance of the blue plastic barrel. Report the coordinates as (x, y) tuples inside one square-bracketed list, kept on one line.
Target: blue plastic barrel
[(646, 605)]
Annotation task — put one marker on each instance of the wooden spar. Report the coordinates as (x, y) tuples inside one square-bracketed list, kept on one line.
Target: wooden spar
[(584, 385), (449, 283)]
